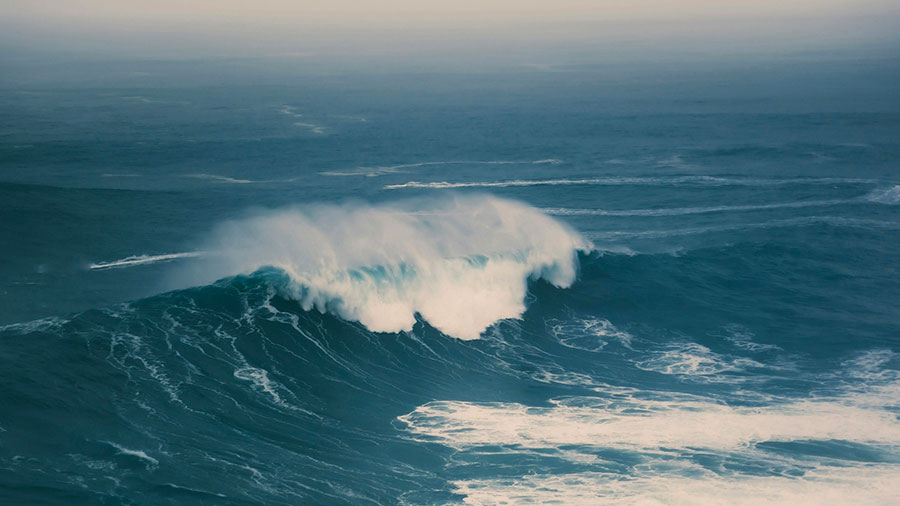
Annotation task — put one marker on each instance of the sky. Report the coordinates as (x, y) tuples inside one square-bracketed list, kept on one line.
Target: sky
[(266, 27), (435, 13)]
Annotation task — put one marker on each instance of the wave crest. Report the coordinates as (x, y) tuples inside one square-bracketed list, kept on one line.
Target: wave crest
[(461, 263)]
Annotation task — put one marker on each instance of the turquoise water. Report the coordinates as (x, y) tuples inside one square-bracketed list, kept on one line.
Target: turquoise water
[(596, 285)]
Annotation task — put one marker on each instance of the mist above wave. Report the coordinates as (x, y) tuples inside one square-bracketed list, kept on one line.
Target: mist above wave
[(461, 263)]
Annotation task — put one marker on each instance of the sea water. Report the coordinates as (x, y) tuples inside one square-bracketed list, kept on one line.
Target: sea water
[(610, 284)]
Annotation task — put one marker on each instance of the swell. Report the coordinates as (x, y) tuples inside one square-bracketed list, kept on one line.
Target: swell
[(308, 400), (399, 168), (805, 221), (889, 196), (635, 181), (681, 211)]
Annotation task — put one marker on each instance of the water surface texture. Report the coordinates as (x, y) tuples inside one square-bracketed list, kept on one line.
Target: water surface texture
[(616, 284)]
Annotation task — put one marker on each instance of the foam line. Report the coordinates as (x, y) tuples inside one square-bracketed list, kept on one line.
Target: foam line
[(233, 180), (144, 259), (680, 211), (632, 181)]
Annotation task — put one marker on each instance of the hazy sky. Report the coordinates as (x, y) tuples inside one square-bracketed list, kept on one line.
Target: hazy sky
[(443, 12), (264, 26)]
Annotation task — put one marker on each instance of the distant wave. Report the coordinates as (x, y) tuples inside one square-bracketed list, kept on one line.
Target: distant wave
[(288, 110), (363, 171), (144, 259), (837, 221), (316, 129), (881, 196), (636, 181), (233, 180), (224, 179), (679, 211), (394, 169), (109, 174)]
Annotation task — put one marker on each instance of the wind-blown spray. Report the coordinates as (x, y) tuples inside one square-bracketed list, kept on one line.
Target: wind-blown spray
[(461, 262)]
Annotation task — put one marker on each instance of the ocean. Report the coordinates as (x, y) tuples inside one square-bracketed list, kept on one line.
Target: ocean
[(228, 282)]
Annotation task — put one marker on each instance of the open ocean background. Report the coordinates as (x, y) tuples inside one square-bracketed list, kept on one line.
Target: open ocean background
[(732, 336)]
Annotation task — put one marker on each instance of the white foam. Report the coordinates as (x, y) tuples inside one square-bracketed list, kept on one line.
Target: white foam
[(144, 259), (740, 337), (260, 379), (139, 98), (362, 171), (223, 179), (859, 485), (870, 366), (462, 263), (291, 111), (668, 430), (134, 453), (316, 129), (885, 195), (288, 110), (695, 361), (646, 425), (589, 334), (233, 180)]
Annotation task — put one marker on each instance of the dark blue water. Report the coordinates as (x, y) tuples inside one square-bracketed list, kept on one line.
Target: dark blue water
[(644, 284)]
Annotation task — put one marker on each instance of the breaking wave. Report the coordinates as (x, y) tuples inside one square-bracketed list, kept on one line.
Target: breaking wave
[(460, 263)]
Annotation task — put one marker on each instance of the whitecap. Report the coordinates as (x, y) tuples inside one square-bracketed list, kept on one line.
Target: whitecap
[(889, 196)]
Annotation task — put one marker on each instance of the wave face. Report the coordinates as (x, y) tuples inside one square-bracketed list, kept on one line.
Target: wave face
[(233, 393), (462, 263)]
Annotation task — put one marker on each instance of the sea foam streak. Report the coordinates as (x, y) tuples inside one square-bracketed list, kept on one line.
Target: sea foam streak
[(393, 169), (633, 181), (462, 263), (144, 259)]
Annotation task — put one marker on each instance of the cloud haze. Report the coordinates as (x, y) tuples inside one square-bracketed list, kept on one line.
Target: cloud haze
[(281, 26)]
